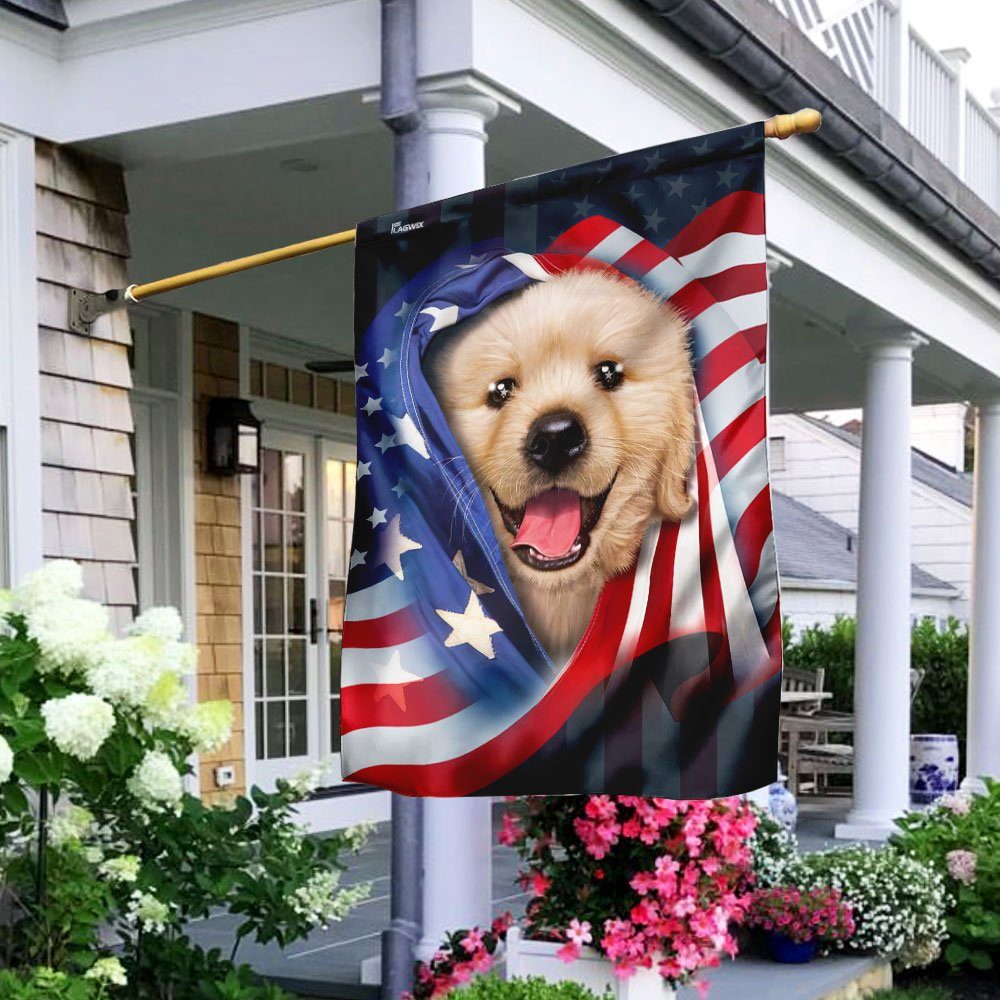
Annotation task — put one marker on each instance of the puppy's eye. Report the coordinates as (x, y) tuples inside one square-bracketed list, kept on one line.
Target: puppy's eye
[(609, 374), (499, 392)]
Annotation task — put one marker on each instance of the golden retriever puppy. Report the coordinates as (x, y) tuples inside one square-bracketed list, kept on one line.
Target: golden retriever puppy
[(572, 401)]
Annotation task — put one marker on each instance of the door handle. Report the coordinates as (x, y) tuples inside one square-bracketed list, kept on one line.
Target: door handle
[(313, 620)]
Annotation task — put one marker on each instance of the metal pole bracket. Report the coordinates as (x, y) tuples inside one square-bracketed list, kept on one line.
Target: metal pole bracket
[(86, 307)]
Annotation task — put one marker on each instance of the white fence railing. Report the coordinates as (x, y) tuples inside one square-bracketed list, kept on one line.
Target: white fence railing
[(934, 93), (874, 43)]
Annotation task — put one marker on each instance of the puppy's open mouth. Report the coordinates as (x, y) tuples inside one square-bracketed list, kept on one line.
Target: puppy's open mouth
[(552, 530)]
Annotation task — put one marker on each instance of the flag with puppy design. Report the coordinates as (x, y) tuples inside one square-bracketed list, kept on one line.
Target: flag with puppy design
[(563, 570)]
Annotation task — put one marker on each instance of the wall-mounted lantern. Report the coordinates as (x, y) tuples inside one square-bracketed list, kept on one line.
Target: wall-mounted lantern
[(233, 437)]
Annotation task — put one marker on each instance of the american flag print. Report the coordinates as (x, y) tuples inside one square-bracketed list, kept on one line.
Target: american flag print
[(674, 688)]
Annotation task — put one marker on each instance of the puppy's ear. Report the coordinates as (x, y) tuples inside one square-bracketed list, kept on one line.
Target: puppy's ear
[(672, 497)]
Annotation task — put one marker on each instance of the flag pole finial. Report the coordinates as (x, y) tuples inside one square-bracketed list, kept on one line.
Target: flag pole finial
[(782, 126)]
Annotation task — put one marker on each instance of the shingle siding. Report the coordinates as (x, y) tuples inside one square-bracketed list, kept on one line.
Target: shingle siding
[(86, 417)]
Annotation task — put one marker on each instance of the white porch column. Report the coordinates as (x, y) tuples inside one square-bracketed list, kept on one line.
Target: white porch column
[(984, 638), (882, 653), (458, 837)]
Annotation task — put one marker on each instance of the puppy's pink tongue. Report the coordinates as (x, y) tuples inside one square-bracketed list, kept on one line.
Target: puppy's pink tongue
[(551, 523)]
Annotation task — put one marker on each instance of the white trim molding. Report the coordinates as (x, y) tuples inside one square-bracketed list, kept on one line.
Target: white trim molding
[(19, 380)]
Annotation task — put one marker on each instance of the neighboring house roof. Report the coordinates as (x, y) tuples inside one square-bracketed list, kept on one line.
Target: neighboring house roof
[(927, 470), (812, 547)]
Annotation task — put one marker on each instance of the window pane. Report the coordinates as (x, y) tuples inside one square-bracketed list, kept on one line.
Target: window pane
[(258, 668), (272, 543), (297, 606), (335, 606), (350, 479), (259, 730), (335, 725), (270, 472), (298, 742), (334, 488), (274, 602), (275, 669), (335, 548), (295, 542), (276, 729), (256, 378), (335, 666), (297, 666), (294, 484), (258, 608), (258, 553)]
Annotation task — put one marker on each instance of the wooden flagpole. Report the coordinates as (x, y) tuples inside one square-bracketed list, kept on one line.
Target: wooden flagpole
[(87, 306)]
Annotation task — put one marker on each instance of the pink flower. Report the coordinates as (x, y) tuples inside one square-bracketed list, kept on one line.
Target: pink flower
[(958, 802), (569, 952), (540, 883), (702, 986), (962, 866), (473, 940), (579, 932), (511, 833)]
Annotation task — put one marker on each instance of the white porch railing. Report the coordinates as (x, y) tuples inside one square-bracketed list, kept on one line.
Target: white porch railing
[(874, 43)]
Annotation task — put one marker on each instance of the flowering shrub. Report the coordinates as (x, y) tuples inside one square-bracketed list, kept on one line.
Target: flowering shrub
[(462, 955), (99, 731), (772, 850), (897, 902), (960, 839), (648, 882), (811, 915)]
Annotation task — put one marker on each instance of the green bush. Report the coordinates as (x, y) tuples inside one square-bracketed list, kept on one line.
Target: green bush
[(44, 984), (532, 988), (960, 839), (942, 656)]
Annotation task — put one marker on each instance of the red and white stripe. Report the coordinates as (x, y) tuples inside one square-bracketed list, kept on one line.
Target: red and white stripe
[(713, 572)]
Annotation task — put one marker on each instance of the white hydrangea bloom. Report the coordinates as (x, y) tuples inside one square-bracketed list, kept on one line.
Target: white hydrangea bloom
[(181, 658), (6, 760), (121, 869), (71, 633), (6, 603), (107, 972), (165, 623), (319, 902), (147, 912), (156, 782), (70, 825), (78, 724), (208, 725), (166, 704), (127, 669), (55, 581), (308, 779), (357, 835)]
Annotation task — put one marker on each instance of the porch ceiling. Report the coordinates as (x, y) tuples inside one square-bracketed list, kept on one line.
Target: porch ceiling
[(210, 191)]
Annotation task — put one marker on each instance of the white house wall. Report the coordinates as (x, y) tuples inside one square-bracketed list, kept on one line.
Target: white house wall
[(823, 472), (804, 605)]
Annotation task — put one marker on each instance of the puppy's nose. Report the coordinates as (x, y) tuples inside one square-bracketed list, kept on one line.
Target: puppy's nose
[(555, 440)]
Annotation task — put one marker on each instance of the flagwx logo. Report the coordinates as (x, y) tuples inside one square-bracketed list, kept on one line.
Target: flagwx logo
[(405, 227)]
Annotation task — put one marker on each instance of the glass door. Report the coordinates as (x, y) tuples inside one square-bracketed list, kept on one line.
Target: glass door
[(283, 583), (339, 474), (301, 513)]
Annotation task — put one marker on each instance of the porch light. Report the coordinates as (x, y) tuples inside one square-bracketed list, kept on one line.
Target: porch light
[(233, 437)]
